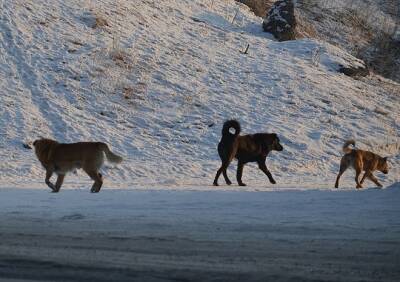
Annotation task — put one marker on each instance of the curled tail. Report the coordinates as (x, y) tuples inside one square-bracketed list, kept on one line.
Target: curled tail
[(111, 157), (346, 145), (228, 125)]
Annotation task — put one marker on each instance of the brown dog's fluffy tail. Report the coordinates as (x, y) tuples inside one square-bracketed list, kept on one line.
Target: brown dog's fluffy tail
[(346, 145), (228, 125), (111, 157)]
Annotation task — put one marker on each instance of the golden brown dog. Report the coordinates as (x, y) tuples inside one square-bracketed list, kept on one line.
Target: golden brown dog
[(245, 148), (61, 158), (361, 161)]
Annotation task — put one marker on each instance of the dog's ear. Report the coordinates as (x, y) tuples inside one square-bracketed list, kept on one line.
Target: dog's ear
[(34, 142), (385, 159), (275, 138), (271, 138)]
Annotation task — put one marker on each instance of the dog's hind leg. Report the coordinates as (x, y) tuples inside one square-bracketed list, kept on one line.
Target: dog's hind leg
[(49, 173), (222, 169), (98, 181), (263, 167), (239, 173), (217, 176), (60, 180), (228, 182)]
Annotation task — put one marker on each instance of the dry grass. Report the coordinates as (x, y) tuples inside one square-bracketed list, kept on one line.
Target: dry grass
[(259, 7), (119, 55), (137, 92), (360, 27), (304, 28), (100, 22)]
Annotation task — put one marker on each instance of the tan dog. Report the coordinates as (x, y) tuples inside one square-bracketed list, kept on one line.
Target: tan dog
[(361, 161), (61, 158)]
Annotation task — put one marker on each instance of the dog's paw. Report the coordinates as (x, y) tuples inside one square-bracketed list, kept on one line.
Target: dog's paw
[(359, 186), (273, 181), (215, 184), (242, 184), (228, 183)]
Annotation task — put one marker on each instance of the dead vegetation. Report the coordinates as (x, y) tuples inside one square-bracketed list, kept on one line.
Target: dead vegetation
[(304, 28), (99, 22), (259, 7), (365, 29), (137, 92)]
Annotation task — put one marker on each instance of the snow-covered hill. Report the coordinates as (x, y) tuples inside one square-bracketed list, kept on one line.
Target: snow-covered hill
[(156, 80)]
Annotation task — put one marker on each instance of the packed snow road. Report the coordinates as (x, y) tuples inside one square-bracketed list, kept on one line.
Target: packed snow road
[(167, 235)]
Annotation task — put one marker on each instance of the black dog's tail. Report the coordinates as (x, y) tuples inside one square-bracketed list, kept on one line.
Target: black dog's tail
[(228, 125)]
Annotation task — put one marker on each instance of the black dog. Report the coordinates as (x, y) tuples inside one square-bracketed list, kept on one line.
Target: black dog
[(246, 148)]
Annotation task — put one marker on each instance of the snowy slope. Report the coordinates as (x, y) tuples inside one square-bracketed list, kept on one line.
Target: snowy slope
[(156, 80)]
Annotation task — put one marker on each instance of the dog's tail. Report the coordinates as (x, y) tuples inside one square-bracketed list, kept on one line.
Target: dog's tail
[(228, 125), (346, 145), (111, 157)]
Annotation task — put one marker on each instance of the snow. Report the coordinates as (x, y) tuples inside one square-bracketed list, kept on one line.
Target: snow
[(156, 80), (190, 205), (179, 63), (312, 234)]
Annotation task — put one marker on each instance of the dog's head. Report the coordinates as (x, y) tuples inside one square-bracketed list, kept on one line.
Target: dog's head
[(42, 148), (273, 143), (383, 165), (276, 145)]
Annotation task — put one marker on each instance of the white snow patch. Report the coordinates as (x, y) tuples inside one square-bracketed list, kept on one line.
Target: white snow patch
[(159, 80)]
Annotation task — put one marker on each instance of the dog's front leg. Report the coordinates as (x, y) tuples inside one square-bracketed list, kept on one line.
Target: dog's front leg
[(374, 179), (366, 174), (342, 169), (49, 173), (239, 173), (59, 182), (263, 167)]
